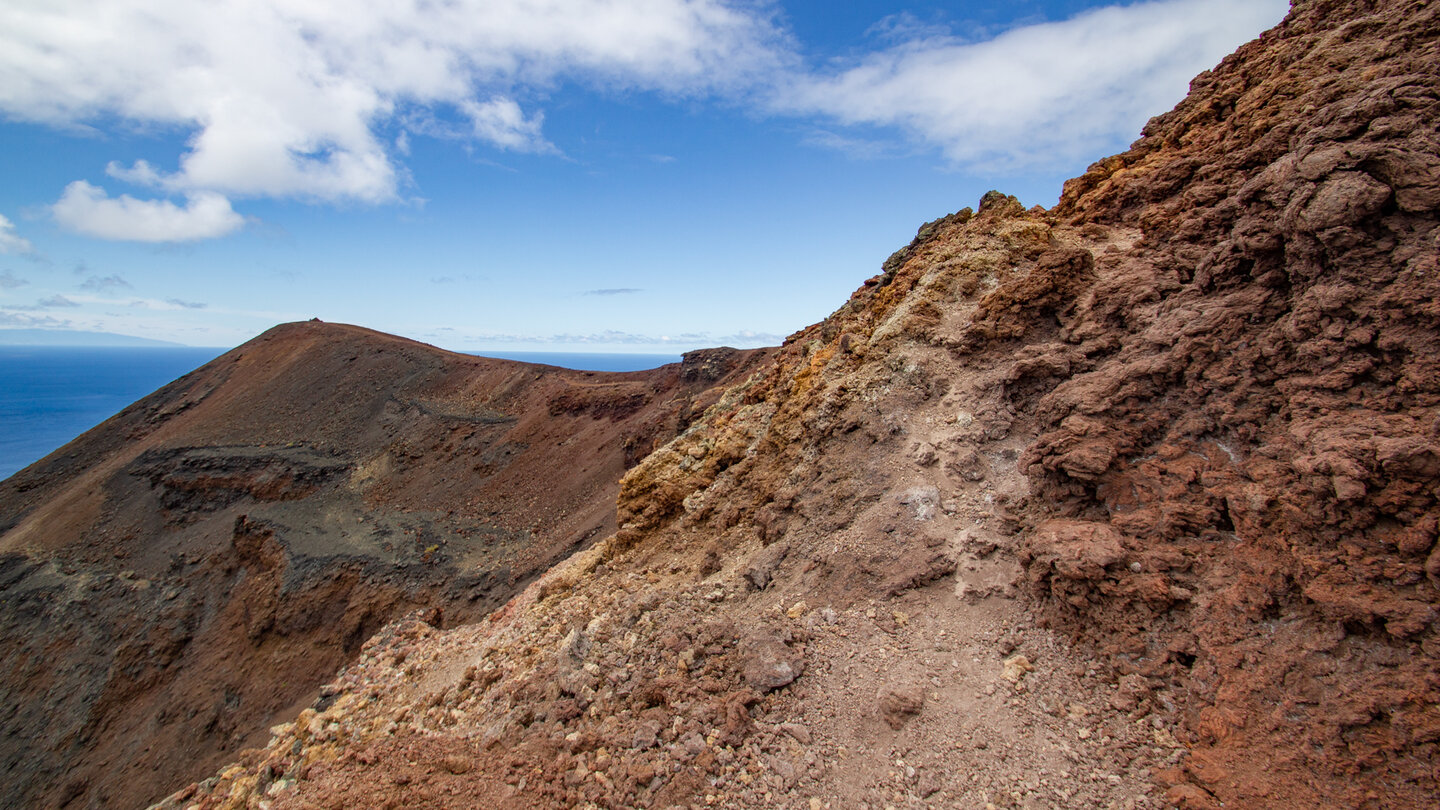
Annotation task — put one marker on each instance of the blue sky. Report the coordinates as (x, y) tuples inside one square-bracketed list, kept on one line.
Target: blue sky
[(545, 175)]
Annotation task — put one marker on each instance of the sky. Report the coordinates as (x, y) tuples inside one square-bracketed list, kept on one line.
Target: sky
[(541, 175)]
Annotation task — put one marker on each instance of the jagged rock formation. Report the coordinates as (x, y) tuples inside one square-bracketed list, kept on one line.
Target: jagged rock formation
[(1131, 503), (192, 570)]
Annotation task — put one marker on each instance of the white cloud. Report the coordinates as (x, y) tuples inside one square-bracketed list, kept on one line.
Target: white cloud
[(855, 148), (89, 210), (9, 281), (105, 284), (290, 97), (11, 242), (501, 122), (318, 99), (1041, 94), (26, 321)]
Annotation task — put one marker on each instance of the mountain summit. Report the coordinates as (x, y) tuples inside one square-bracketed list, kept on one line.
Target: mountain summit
[(191, 571)]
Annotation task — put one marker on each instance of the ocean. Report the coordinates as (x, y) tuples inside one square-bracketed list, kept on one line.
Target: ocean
[(51, 394)]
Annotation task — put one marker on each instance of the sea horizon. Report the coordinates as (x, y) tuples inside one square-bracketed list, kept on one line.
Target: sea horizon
[(585, 361)]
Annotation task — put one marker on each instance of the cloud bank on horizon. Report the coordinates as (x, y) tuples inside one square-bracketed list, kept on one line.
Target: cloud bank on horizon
[(320, 101)]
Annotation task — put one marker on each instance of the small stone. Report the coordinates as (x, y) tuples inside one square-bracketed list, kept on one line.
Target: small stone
[(770, 664), (1015, 667), (694, 744), (923, 454), (799, 732), (646, 736), (455, 764), (897, 706), (798, 609)]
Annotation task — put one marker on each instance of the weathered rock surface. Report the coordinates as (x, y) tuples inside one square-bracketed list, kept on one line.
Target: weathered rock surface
[(1255, 421)]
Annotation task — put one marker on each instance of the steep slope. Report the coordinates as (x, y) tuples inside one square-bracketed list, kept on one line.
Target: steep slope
[(1191, 414), (812, 595), (193, 569)]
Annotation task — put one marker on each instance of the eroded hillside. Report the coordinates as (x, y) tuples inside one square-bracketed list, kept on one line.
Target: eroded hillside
[(192, 570)]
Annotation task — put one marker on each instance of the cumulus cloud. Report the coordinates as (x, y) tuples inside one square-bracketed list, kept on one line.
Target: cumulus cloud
[(56, 301), (1040, 94), (8, 317), (9, 281), (747, 339), (617, 337), (855, 148), (319, 100), (11, 242), (89, 210), (292, 99), (105, 284), (744, 339), (501, 122)]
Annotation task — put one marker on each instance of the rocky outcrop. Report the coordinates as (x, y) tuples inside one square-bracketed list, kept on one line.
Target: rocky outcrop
[(1254, 430)]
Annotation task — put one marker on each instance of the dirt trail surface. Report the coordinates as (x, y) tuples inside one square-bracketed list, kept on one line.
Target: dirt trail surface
[(190, 572), (1130, 504)]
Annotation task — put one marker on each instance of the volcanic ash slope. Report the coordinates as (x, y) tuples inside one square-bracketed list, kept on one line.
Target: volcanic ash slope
[(190, 572)]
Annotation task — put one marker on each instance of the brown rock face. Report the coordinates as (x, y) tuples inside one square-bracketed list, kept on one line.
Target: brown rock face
[(1257, 417), (189, 573)]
